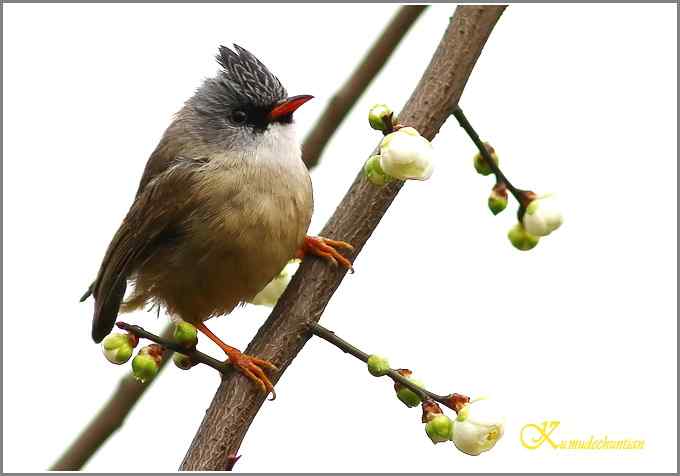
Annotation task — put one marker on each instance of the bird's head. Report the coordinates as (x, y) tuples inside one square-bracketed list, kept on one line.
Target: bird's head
[(243, 100)]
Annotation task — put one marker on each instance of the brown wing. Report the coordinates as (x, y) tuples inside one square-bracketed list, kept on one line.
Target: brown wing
[(158, 163), (161, 203)]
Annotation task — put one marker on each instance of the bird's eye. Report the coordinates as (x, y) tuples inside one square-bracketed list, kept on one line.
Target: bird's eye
[(239, 117)]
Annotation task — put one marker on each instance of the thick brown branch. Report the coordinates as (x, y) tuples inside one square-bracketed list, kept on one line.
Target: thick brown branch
[(343, 100), (286, 331)]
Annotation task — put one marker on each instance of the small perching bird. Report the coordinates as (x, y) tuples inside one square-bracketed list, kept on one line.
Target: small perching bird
[(224, 202)]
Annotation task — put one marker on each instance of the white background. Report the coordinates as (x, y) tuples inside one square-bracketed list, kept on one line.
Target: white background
[(577, 99)]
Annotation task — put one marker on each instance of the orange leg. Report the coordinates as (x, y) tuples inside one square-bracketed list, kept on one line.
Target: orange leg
[(325, 248), (249, 366)]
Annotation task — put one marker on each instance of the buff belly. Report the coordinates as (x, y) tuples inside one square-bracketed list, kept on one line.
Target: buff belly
[(230, 247)]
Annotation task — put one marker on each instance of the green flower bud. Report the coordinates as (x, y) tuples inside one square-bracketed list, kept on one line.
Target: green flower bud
[(374, 172), (146, 363), (498, 199), (117, 347), (380, 118), (378, 366), (521, 239), (182, 361), (185, 334), (439, 429), (407, 396), (481, 166), (463, 413)]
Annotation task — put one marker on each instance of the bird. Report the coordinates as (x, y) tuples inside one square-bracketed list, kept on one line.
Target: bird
[(224, 202)]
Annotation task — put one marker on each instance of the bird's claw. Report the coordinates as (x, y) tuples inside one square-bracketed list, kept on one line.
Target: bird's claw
[(251, 367), (327, 249)]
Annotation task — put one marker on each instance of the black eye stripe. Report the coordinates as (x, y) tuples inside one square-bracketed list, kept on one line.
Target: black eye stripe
[(255, 117)]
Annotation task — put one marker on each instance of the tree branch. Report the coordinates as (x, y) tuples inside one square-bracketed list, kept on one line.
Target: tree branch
[(343, 100), (286, 331), (129, 391)]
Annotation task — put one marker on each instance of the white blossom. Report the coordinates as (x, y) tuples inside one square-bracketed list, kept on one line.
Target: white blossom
[(405, 154), (543, 216), (475, 431)]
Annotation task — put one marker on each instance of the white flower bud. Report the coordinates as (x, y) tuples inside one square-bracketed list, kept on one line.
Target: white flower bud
[(405, 154), (273, 291), (543, 216), (474, 431)]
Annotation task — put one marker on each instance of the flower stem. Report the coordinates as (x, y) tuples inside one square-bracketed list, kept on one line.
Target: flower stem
[(523, 196), (424, 394)]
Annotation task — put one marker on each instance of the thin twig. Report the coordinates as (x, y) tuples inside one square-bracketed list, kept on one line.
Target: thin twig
[(521, 196), (424, 394), (343, 100), (237, 401), (195, 355)]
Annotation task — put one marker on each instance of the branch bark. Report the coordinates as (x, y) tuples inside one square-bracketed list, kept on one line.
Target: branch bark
[(286, 331), (343, 100), (111, 416)]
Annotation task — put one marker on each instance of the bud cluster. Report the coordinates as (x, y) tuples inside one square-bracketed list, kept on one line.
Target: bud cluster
[(404, 153), (469, 435), (538, 216)]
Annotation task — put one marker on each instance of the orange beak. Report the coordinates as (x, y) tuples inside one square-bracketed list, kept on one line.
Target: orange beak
[(287, 106)]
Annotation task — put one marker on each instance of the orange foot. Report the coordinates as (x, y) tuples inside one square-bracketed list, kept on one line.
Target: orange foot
[(326, 248), (248, 365)]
